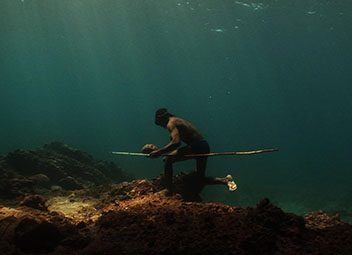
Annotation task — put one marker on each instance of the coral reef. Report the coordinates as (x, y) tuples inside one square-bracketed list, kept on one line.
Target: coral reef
[(55, 164), (135, 217), (131, 218)]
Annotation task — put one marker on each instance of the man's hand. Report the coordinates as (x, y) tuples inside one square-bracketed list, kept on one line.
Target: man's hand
[(154, 154), (149, 147)]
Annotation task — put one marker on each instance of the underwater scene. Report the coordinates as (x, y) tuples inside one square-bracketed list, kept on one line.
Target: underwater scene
[(175, 127)]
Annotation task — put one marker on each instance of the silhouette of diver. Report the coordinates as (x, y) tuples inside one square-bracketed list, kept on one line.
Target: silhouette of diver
[(183, 131)]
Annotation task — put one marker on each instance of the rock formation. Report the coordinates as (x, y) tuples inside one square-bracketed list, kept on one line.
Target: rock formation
[(134, 217)]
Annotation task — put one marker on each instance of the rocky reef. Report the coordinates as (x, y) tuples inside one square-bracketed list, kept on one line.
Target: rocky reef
[(105, 212), (53, 167)]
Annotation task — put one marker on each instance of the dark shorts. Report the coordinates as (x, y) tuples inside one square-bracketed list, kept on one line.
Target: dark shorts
[(200, 147)]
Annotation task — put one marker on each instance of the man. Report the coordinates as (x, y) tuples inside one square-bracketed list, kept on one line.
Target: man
[(183, 131)]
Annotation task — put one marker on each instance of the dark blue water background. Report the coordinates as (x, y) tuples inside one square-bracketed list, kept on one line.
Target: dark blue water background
[(91, 73)]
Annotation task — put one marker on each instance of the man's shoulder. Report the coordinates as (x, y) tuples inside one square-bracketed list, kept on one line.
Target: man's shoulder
[(177, 120)]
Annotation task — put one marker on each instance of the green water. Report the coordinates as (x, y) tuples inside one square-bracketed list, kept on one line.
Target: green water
[(91, 73)]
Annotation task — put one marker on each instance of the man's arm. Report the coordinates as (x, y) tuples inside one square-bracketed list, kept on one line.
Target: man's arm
[(172, 145)]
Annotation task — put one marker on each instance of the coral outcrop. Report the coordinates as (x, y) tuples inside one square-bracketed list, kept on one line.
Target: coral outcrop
[(55, 164), (135, 217)]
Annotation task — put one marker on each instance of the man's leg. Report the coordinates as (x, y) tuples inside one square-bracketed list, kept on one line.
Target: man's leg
[(168, 173), (201, 166), (228, 181), (177, 155)]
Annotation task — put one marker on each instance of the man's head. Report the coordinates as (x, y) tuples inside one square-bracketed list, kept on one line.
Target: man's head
[(162, 117)]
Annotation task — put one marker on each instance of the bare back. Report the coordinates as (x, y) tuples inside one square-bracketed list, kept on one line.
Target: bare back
[(188, 133)]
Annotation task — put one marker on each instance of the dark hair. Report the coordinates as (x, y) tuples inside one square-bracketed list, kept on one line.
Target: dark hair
[(161, 115)]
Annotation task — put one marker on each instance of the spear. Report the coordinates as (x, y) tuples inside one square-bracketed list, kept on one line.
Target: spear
[(211, 154)]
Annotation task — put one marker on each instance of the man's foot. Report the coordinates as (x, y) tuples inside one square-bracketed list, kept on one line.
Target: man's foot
[(230, 183)]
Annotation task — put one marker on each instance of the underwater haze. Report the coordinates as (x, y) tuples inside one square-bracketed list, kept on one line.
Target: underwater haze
[(249, 75)]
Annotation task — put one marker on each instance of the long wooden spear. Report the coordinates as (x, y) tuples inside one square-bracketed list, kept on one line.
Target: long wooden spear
[(211, 154)]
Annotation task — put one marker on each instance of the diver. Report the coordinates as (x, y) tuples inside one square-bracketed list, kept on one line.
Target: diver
[(183, 131)]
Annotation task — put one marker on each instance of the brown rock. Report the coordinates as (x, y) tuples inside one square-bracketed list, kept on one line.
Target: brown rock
[(34, 201)]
